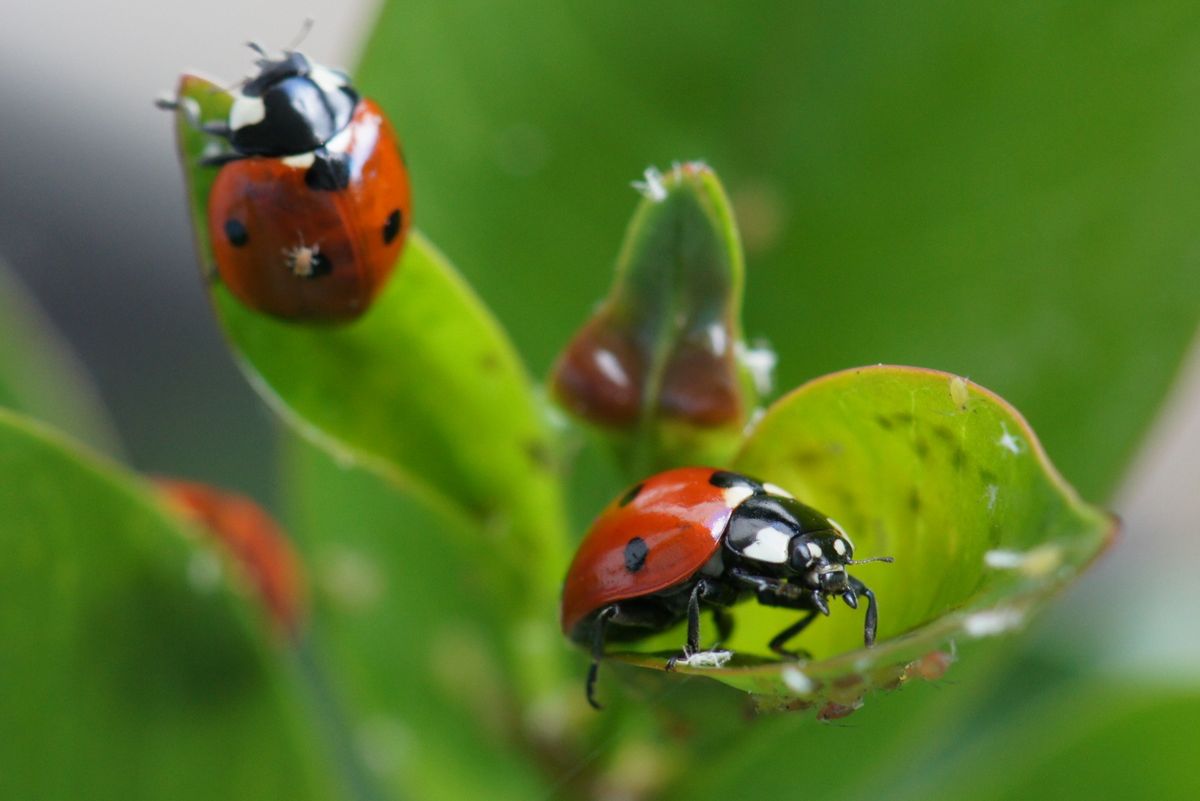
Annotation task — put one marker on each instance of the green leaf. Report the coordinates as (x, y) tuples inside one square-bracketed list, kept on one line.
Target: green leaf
[(39, 374), (942, 475), (659, 366), (423, 388), (413, 628), (131, 670), (1005, 190)]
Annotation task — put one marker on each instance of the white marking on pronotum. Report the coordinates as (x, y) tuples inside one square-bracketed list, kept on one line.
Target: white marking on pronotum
[(1008, 441), (991, 622), (652, 186), (814, 551), (839, 547), (707, 659), (796, 680), (838, 528), (775, 489), (771, 545), (611, 368), (300, 161), (735, 495), (328, 80), (246, 111)]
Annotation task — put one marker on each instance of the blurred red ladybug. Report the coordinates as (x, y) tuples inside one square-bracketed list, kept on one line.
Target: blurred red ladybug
[(311, 206), (698, 536)]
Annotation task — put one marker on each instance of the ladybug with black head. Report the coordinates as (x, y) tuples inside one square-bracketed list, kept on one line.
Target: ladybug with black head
[(311, 205), (696, 537)]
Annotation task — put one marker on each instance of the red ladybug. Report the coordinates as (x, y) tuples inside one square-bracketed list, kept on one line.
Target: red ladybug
[(311, 206), (697, 536)]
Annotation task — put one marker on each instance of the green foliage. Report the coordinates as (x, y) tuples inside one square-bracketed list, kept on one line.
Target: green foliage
[(1007, 191), (132, 671), (426, 366), (926, 185)]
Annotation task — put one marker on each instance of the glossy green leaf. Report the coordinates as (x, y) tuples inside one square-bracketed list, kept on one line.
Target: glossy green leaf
[(413, 628), (660, 366), (132, 671), (423, 388), (943, 476), (39, 374), (1005, 190)]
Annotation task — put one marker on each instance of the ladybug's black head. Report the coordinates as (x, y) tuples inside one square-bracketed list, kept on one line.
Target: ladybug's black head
[(291, 106)]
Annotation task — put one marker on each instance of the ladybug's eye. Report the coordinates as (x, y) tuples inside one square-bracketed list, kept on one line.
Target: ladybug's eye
[(392, 227), (236, 233)]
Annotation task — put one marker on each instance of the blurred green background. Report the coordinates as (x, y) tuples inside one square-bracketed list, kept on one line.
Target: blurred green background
[(1007, 191)]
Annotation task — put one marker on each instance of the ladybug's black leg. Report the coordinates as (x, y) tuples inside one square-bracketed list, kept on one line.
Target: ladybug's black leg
[(872, 619), (606, 614), (693, 625), (780, 639)]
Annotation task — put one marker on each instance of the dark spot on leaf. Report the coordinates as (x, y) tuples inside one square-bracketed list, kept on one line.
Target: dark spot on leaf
[(489, 362), (835, 711), (903, 418), (959, 459), (628, 497), (883, 422), (944, 434), (849, 680), (392, 227), (914, 500), (635, 554), (987, 476), (540, 455), (236, 233), (921, 447), (807, 458)]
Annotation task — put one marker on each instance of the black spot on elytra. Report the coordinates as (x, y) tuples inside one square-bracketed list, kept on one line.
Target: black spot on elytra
[(236, 233), (321, 265), (628, 497), (328, 173), (635, 554), (724, 479), (392, 227)]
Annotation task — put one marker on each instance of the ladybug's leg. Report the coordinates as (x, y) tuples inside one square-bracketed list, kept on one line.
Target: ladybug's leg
[(780, 640), (702, 590), (606, 614), (872, 619)]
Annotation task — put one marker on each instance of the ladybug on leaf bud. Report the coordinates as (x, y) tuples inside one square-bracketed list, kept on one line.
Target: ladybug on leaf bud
[(694, 537), (311, 204)]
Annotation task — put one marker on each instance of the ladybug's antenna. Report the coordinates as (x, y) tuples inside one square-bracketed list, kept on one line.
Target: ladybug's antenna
[(305, 29), (872, 559)]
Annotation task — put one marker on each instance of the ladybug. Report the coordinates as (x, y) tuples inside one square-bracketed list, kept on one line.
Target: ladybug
[(697, 536), (311, 204)]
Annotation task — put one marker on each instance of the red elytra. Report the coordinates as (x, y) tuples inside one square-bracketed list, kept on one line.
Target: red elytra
[(292, 251), (678, 514), (252, 538)]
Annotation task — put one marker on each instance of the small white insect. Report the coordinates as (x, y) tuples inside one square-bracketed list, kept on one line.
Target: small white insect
[(304, 261)]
